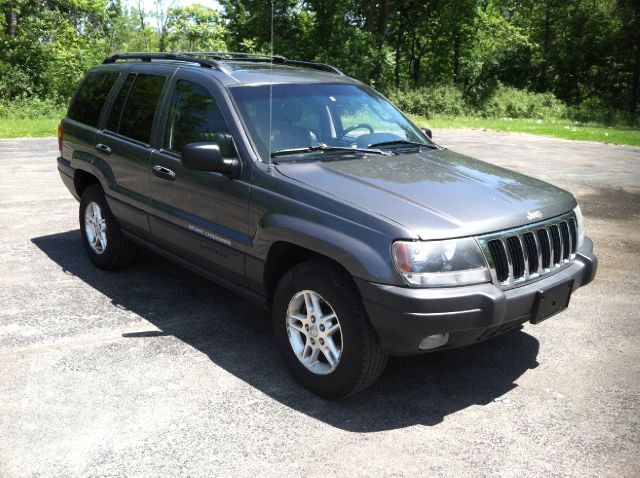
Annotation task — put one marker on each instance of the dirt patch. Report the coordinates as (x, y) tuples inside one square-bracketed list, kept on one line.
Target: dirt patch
[(611, 203)]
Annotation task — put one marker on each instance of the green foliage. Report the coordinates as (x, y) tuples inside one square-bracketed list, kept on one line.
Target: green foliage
[(487, 58), (194, 28), (557, 128), (504, 102), (428, 102), (26, 107), (510, 102)]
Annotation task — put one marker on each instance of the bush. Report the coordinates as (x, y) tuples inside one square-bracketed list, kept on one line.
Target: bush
[(32, 107), (442, 100), (598, 111), (514, 103), (507, 102)]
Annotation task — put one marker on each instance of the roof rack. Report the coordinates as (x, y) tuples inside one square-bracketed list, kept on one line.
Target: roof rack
[(211, 59), (206, 62)]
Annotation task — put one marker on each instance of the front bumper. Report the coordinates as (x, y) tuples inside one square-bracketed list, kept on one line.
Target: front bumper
[(404, 316)]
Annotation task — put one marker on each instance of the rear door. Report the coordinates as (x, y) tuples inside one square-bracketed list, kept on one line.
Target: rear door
[(200, 215), (83, 117), (124, 144)]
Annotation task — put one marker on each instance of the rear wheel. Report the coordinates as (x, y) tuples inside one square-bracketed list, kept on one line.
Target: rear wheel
[(323, 333), (102, 238)]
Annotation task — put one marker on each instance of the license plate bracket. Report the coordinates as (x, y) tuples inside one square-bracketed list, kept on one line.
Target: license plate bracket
[(551, 301)]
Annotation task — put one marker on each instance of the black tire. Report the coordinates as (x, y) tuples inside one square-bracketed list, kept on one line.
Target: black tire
[(362, 361), (119, 251)]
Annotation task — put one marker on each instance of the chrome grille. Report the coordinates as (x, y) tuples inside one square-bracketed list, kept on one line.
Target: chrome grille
[(521, 255)]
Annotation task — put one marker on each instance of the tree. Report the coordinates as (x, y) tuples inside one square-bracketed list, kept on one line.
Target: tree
[(194, 28)]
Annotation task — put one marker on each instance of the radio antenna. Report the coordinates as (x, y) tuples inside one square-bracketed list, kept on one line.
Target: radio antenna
[(270, 93)]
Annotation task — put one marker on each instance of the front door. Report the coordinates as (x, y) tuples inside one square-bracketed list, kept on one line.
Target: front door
[(201, 216)]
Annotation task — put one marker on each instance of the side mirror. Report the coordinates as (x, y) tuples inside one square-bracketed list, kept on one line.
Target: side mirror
[(207, 157), (428, 132)]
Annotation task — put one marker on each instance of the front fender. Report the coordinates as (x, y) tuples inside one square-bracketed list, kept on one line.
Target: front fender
[(364, 252)]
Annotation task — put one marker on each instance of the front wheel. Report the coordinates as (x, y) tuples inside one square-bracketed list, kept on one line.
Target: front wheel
[(323, 333)]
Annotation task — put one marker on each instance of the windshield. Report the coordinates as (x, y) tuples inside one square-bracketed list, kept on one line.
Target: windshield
[(321, 114)]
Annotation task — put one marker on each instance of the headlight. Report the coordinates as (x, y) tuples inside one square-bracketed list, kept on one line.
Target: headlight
[(440, 263), (579, 225)]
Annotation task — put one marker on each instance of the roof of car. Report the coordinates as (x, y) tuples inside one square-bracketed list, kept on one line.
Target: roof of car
[(240, 68)]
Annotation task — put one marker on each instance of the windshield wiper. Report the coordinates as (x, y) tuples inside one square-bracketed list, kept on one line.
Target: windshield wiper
[(324, 147), (401, 142)]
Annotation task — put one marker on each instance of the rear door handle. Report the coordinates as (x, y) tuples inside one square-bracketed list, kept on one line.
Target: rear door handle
[(103, 148), (164, 173)]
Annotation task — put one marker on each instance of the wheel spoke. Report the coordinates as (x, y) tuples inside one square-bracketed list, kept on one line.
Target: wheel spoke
[(331, 328), (306, 353), (103, 240), (313, 358), (317, 309), (328, 317), (331, 358), (296, 326), (307, 302), (331, 345)]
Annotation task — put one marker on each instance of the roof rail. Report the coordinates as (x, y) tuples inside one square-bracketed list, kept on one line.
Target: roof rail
[(206, 62), (233, 55), (314, 65), (211, 59)]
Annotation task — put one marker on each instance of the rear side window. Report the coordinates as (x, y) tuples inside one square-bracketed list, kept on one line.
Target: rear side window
[(90, 99), (194, 117), (136, 116), (113, 123)]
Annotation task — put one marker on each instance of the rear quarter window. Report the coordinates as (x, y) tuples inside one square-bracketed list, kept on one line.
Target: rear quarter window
[(91, 97), (136, 118)]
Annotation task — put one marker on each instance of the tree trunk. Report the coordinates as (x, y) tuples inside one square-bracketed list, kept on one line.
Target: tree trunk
[(635, 82), (382, 33), (542, 80), (456, 56), (10, 20), (398, 45)]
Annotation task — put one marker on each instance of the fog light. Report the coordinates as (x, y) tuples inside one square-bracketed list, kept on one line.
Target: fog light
[(433, 341)]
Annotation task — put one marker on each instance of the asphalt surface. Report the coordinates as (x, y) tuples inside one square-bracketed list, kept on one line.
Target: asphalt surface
[(153, 371)]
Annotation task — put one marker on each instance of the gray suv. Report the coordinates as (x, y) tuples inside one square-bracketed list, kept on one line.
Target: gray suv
[(309, 193)]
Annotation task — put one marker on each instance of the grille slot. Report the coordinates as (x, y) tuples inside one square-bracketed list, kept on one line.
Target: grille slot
[(532, 251), (500, 259), (566, 240), (545, 246), (517, 256), (555, 240), (573, 234), (523, 254)]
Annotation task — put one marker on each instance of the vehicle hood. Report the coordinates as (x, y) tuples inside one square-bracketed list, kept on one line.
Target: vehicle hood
[(435, 193)]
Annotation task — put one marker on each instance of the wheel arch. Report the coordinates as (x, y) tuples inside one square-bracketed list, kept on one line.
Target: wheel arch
[(290, 240), (82, 179)]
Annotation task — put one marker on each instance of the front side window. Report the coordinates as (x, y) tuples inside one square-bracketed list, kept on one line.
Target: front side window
[(312, 114), (136, 117), (194, 117), (88, 103)]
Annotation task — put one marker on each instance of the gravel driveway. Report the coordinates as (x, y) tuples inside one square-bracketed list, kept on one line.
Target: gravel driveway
[(153, 371)]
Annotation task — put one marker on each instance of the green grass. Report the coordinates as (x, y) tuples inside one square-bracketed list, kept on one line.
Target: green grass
[(557, 128), (22, 127), (43, 127)]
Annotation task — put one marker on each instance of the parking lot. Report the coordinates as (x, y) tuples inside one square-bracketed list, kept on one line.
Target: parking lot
[(153, 371)]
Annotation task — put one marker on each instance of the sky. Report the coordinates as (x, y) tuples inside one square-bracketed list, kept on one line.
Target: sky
[(149, 5)]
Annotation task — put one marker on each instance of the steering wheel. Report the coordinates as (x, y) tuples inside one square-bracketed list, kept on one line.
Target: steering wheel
[(357, 126)]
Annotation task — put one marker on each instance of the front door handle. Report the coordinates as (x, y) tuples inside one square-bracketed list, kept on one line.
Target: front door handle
[(103, 148), (164, 173)]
